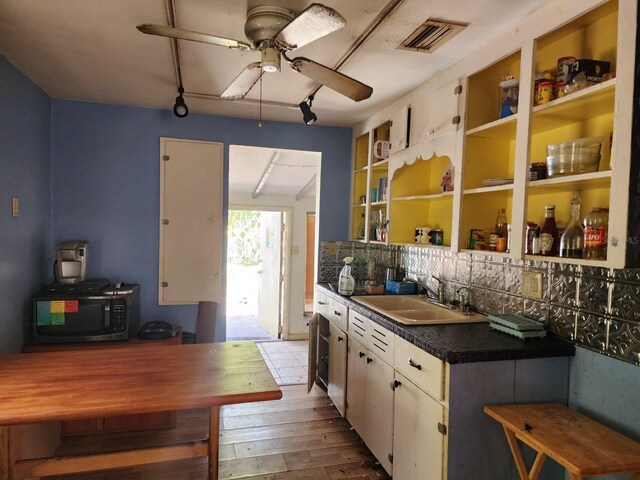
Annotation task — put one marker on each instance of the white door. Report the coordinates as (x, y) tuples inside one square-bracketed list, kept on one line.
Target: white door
[(269, 299), (380, 411), (337, 367), (418, 446), (190, 221)]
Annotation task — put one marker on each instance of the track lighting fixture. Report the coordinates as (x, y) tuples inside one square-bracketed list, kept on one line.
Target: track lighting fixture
[(307, 115), (180, 108)]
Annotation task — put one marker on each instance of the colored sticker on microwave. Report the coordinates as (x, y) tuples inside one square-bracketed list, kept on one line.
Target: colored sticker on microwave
[(57, 318), (43, 319), (57, 306), (43, 307), (71, 306)]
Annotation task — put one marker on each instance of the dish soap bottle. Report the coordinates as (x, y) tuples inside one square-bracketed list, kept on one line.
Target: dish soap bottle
[(346, 283)]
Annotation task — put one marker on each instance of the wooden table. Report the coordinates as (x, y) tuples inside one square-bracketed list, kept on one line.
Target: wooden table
[(583, 446), (58, 386)]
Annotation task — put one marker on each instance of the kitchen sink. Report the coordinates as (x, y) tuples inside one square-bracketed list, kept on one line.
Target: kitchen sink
[(413, 310)]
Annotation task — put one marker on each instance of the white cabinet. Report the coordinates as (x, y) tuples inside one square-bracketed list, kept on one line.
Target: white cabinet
[(435, 113), (370, 401), (399, 134), (337, 380), (419, 424)]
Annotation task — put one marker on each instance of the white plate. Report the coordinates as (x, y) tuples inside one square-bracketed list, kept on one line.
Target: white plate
[(492, 182)]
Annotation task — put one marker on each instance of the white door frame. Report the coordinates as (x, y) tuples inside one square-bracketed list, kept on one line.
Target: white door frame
[(286, 254)]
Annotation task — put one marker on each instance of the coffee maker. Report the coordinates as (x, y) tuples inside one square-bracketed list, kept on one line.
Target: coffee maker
[(71, 261)]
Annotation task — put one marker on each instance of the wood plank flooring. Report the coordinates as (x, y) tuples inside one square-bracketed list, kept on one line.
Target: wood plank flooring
[(300, 437)]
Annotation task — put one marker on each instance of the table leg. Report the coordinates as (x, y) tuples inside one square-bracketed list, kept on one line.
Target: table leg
[(517, 456), (214, 440), (4, 453), (15, 449), (537, 466)]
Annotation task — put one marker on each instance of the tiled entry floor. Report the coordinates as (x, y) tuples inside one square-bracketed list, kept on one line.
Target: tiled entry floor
[(287, 360)]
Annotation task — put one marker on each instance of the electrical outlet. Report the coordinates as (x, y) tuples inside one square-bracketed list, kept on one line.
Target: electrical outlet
[(532, 284)]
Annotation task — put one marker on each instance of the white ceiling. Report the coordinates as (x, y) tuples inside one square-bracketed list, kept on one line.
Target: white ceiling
[(291, 172), (90, 50)]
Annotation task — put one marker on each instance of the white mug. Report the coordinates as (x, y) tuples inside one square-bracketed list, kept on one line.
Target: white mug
[(381, 149)]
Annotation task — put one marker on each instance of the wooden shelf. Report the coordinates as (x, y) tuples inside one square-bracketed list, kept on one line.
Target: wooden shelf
[(580, 106), (361, 170), (380, 164), (503, 128), (407, 244), (487, 252), (574, 261), (495, 188), (577, 182), (359, 205), (379, 204), (376, 242), (423, 197)]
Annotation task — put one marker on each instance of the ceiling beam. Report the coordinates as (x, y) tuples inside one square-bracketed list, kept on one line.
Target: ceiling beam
[(310, 184), (267, 172)]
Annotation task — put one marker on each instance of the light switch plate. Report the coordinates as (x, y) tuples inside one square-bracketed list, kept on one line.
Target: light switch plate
[(15, 207), (532, 284)]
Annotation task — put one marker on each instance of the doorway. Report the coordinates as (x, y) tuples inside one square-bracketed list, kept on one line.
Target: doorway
[(257, 239)]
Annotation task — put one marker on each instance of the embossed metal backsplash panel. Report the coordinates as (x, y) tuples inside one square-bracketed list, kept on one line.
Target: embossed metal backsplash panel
[(593, 307)]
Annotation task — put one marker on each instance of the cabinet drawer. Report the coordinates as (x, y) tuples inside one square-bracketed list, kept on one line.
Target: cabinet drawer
[(425, 370), (358, 327), (337, 314)]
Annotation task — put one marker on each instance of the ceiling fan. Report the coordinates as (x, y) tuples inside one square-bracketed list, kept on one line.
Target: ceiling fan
[(274, 31)]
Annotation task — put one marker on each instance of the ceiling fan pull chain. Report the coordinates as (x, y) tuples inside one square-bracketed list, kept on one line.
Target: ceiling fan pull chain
[(260, 119)]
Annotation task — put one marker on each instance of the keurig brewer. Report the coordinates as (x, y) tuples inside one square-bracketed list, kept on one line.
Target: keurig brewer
[(71, 261)]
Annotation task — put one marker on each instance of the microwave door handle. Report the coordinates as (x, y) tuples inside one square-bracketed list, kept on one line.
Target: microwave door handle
[(107, 316)]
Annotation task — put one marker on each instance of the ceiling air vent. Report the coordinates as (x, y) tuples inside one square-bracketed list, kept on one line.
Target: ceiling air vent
[(431, 35)]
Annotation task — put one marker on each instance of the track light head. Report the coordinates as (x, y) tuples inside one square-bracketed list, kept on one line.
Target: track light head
[(180, 108), (308, 116)]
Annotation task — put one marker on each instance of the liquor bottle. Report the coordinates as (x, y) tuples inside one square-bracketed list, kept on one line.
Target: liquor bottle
[(595, 234), (549, 233), (572, 240), (362, 229), (501, 231)]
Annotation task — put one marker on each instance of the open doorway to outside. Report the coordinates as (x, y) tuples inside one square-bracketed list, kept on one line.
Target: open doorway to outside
[(271, 189), (257, 258)]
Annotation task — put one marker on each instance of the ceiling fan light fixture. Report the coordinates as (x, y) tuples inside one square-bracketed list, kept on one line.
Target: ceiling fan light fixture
[(180, 108), (308, 116), (270, 61)]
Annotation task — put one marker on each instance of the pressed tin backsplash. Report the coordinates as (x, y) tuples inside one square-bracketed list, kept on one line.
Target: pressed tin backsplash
[(596, 308)]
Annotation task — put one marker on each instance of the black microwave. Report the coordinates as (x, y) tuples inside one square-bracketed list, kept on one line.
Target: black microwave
[(89, 311)]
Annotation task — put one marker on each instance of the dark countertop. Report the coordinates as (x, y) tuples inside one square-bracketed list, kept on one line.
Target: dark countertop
[(463, 343)]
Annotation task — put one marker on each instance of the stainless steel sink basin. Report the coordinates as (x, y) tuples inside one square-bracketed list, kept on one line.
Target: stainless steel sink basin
[(413, 310)]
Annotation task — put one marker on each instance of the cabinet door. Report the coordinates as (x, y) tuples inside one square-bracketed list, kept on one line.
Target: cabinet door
[(399, 134), (418, 446), (337, 367), (380, 410), (312, 371), (432, 115), (357, 387)]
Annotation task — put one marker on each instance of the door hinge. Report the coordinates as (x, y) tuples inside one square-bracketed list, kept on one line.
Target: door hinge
[(457, 90), (456, 120), (165, 221), (166, 158), (390, 457), (279, 329), (164, 284), (442, 428)]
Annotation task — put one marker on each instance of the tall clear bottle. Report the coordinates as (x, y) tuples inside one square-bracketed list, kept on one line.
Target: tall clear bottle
[(572, 240), (549, 234)]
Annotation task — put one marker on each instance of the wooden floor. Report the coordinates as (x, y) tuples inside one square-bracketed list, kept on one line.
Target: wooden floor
[(301, 437)]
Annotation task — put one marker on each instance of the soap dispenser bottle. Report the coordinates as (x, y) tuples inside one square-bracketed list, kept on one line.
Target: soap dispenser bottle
[(346, 283)]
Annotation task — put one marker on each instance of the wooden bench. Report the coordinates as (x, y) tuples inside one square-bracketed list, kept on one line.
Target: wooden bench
[(583, 446)]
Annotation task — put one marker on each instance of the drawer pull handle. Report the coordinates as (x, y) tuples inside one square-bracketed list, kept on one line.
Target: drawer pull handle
[(337, 313), (369, 359), (395, 384), (415, 365), (340, 339), (361, 354)]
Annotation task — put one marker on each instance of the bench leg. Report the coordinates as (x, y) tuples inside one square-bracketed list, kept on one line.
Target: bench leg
[(214, 441), (517, 456)]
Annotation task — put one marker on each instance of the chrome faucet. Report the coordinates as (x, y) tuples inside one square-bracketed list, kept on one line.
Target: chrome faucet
[(466, 306), (437, 296)]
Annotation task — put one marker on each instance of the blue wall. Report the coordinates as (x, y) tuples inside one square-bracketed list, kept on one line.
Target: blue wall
[(106, 174), (24, 172)]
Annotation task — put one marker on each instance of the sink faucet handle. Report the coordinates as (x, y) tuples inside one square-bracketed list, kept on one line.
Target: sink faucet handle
[(437, 279)]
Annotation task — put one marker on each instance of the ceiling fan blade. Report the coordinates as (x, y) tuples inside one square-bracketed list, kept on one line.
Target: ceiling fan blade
[(165, 31), (313, 23), (243, 82), (343, 84)]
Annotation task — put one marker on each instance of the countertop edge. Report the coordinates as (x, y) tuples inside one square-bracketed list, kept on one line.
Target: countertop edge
[(538, 348)]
